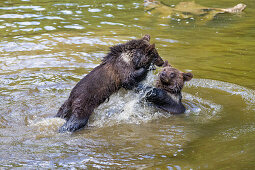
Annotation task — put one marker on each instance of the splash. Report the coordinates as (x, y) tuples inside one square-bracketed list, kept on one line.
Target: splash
[(248, 95), (48, 124), (128, 106), (204, 110)]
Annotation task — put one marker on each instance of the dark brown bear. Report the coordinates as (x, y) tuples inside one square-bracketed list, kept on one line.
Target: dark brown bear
[(167, 94), (124, 66)]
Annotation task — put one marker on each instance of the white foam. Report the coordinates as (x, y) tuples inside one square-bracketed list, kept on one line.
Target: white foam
[(47, 124), (247, 94), (127, 106), (235, 132), (205, 110)]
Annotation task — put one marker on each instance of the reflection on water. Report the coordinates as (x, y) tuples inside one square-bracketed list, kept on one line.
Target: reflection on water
[(47, 47)]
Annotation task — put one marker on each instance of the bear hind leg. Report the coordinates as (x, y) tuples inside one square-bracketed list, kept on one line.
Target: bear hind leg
[(64, 111), (74, 124), (78, 119)]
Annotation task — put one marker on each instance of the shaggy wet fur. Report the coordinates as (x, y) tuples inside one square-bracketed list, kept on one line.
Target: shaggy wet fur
[(167, 94), (124, 66)]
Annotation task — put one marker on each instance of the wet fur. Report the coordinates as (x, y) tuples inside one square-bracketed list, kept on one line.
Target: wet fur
[(113, 73), (167, 94)]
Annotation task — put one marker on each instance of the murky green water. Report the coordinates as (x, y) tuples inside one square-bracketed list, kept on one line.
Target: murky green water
[(47, 46)]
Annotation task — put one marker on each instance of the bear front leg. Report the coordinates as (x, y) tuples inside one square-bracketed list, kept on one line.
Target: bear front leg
[(140, 74), (157, 96), (78, 120), (135, 78)]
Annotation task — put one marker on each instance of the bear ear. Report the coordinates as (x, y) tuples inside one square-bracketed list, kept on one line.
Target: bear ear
[(147, 37), (187, 76), (166, 64), (150, 47)]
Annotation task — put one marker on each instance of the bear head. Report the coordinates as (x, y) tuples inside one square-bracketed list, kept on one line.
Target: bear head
[(171, 79), (146, 55), (137, 53)]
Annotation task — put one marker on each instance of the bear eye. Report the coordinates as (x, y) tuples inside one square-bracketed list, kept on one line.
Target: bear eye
[(172, 75)]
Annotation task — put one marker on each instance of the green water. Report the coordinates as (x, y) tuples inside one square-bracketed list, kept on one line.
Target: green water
[(47, 46)]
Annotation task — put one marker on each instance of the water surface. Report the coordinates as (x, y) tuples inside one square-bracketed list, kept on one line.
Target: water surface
[(47, 46)]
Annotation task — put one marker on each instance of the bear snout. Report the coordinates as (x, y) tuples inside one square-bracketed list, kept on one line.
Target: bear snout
[(159, 61), (163, 77)]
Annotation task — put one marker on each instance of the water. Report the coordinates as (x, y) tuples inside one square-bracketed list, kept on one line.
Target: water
[(47, 46)]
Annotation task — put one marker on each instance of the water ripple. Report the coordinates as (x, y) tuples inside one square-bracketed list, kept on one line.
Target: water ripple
[(50, 18), (80, 40), (27, 46), (18, 16), (94, 10), (247, 94), (111, 23), (36, 8), (74, 26), (28, 23)]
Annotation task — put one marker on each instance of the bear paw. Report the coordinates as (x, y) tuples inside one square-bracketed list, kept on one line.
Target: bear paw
[(73, 124)]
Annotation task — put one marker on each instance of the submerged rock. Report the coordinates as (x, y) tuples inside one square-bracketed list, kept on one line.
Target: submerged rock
[(190, 9)]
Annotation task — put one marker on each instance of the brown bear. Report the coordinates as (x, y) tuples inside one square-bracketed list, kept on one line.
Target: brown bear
[(167, 93), (124, 66)]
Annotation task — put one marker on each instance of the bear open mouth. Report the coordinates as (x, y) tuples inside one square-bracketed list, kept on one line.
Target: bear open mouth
[(173, 89)]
